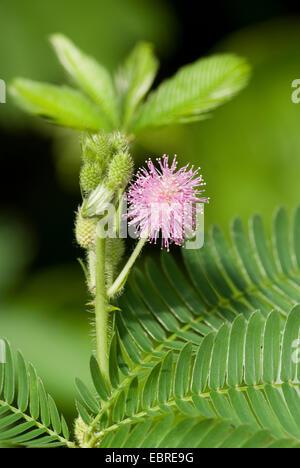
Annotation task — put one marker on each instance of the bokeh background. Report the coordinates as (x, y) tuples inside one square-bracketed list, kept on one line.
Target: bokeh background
[(249, 150)]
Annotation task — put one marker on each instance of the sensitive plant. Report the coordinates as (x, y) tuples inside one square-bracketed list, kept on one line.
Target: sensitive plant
[(198, 353)]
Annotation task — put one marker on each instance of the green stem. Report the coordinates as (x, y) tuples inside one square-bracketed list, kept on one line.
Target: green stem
[(119, 282), (101, 311)]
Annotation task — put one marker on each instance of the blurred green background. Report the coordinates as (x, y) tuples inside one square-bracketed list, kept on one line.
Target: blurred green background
[(248, 150)]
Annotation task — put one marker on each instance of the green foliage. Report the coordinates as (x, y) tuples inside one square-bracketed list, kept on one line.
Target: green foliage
[(61, 105), (89, 75), (201, 354), (193, 362), (192, 346), (239, 383), (95, 31), (193, 91), (135, 79), (28, 416), (192, 432)]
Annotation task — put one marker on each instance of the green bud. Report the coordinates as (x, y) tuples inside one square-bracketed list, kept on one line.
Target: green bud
[(85, 230), (96, 146), (80, 429), (90, 176), (120, 171), (119, 142)]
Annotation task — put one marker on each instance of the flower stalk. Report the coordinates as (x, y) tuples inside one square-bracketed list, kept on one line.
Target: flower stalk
[(106, 170), (121, 279), (101, 312)]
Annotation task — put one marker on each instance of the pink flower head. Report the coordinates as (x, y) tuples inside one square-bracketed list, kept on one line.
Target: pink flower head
[(165, 201)]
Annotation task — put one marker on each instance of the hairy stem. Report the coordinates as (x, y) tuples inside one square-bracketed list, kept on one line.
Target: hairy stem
[(119, 283), (101, 311)]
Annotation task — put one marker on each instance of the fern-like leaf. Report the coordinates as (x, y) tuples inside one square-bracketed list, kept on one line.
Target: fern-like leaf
[(171, 432), (167, 306), (28, 416), (240, 383), (191, 341)]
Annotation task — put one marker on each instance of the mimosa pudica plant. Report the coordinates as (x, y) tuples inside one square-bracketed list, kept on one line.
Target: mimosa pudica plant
[(189, 354)]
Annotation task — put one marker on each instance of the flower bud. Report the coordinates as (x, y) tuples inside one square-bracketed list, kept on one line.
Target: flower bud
[(80, 430), (119, 142), (85, 230), (90, 176), (120, 170), (97, 202), (96, 146)]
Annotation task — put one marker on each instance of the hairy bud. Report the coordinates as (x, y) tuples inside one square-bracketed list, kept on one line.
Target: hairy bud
[(119, 142), (80, 430), (120, 170), (96, 146), (90, 176), (85, 230)]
